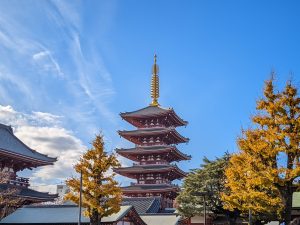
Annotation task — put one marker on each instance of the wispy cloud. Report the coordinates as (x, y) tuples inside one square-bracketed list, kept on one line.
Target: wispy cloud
[(45, 60), (57, 72)]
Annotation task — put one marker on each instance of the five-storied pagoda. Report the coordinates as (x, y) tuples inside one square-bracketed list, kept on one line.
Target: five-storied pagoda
[(155, 149)]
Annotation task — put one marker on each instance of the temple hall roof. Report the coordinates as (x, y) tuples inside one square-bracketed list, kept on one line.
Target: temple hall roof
[(131, 153), (63, 214), (143, 204), (168, 134), (29, 194), (153, 112), (11, 146), (162, 219)]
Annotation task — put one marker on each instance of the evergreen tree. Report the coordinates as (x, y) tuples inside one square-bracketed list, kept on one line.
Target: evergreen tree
[(101, 194), (209, 179), (262, 176)]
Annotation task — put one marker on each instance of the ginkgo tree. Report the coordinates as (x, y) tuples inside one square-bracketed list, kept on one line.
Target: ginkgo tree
[(263, 175), (101, 194)]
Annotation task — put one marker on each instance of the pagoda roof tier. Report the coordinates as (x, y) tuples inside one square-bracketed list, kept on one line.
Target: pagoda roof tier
[(12, 147), (31, 196), (150, 188), (153, 112), (172, 170), (171, 153), (168, 135)]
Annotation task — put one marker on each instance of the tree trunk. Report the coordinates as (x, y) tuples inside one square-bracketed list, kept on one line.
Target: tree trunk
[(288, 203), (95, 219)]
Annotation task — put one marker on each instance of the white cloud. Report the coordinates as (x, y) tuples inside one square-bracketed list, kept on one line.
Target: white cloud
[(41, 131)]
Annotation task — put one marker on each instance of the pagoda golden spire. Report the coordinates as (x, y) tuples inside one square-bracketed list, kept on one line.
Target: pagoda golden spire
[(155, 83)]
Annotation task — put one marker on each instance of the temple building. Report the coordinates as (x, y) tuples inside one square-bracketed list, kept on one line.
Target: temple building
[(15, 156), (154, 153)]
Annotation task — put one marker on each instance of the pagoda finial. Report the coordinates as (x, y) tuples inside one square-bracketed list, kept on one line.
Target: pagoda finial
[(155, 83)]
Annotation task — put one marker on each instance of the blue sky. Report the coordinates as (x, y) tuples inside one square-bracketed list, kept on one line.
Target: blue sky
[(68, 68)]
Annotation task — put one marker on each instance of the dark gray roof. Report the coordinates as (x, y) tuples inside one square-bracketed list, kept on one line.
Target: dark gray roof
[(51, 214), (150, 149), (29, 193), (154, 131), (153, 111), (161, 219), (152, 167), (148, 111), (145, 187), (143, 204), (11, 145)]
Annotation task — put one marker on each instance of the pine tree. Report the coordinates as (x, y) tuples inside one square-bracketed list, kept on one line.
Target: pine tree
[(101, 194), (262, 176), (209, 179)]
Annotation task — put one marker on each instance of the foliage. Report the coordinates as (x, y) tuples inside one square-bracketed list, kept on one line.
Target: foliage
[(101, 194), (209, 179), (9, 199), (262, 176)]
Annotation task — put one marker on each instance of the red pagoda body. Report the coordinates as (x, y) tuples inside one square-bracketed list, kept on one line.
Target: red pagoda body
[(155, 151)]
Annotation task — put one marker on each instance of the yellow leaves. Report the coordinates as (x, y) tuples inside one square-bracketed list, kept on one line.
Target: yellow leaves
[(257, 177), (100, 192)]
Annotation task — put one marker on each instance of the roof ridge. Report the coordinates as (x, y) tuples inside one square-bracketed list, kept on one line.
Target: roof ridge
[(10, 131), (8, 128)]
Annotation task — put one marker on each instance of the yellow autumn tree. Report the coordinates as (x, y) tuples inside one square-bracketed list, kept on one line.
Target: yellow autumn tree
[(263, 175), (101, 194)]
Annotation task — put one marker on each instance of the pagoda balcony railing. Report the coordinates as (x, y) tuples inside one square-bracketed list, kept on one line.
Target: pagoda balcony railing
[(153, 182), (158, 162), (20, 181)]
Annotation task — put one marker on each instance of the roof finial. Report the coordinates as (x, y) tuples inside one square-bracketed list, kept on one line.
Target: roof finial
[(155, 83)]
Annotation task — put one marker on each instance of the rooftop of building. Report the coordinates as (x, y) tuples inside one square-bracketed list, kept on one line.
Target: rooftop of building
[(143, 150), (52, 214), (167, 132), (150, 111), (28, 193), (13, 146), (143, 204), (150, 187), (68, 214)]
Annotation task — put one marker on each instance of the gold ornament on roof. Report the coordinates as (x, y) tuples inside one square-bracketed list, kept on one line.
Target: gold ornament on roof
[(155, 83)]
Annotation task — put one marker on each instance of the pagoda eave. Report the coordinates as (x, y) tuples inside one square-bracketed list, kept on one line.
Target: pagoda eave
[(166, 135), (153, 112), (132, 172), (22, 161), (173, 154), (136, 189)]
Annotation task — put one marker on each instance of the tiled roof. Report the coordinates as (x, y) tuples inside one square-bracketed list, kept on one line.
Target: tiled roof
[(141, 150), (150, 187), (147, 111), (153, 111), (143, 204), (10, 144), (150, 167), (154, 131), (56, 214), (161, 219), (29, 193)]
